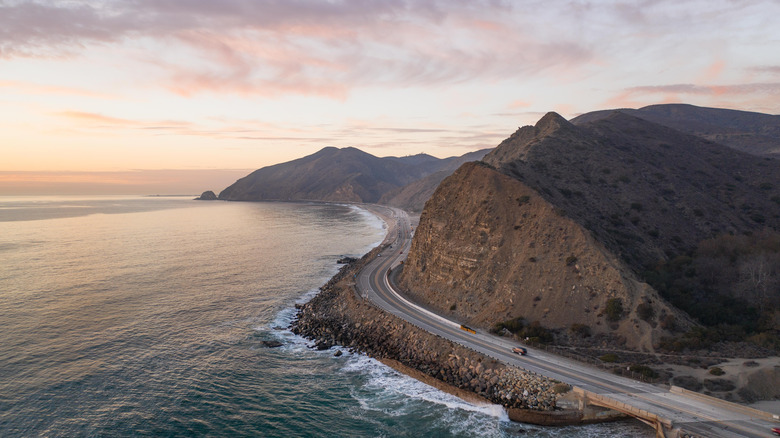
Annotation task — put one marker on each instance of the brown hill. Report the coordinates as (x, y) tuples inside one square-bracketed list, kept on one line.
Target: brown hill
[(563, 219), (646, 191), (489, 249), (754, 133), (412, 197), (340, 175)]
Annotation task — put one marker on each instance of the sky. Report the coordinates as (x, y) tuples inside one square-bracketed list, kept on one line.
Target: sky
[(174, 96)]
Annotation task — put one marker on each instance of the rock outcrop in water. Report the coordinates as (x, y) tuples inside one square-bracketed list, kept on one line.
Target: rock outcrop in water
[(208, 195)]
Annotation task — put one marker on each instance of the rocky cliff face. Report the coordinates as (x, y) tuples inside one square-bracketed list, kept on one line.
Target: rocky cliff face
[(489, 248), (560, 220), (646, 191)]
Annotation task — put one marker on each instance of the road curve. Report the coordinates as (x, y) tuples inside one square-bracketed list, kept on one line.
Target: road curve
[(692, 414)]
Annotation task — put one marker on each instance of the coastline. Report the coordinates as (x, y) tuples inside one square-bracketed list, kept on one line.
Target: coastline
[(749, 375), (337, 315)]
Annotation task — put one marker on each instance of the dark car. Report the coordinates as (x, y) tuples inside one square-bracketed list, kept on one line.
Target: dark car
[(520, 350)]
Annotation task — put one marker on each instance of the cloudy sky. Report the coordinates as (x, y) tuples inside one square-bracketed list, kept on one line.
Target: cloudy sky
[(150, 94)]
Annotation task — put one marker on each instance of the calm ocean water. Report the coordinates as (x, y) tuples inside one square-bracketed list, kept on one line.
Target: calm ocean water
[(130, 316)]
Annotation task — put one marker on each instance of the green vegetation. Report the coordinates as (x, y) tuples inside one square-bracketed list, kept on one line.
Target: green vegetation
[(609, 358), (533, 331), (514, 326), (717, 371), (730, 284), (644, 370), (580, 330), (645, 311), (561, 388), (536, 333), (614, 309), (570, 260)]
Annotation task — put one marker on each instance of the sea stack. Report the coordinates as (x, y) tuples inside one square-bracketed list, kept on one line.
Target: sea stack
[(208, 195)]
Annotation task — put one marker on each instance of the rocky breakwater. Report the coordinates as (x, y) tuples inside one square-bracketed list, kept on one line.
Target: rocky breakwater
[(338, 316)]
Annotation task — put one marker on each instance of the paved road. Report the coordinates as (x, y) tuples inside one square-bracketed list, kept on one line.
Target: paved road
[(690, 413)]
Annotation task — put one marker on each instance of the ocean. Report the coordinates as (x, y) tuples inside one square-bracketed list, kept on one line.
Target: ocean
[(147, 316)]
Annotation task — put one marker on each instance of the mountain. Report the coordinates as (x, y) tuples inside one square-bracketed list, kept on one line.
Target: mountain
[(333, 174), (754, 133), (412, 196), (560, 223)]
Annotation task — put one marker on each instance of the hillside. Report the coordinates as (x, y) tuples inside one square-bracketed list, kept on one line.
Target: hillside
[(563, 218), (340, 175), (754, 133), (412, 197)]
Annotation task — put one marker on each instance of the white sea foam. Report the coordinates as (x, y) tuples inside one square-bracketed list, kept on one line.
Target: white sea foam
[(373, 221), (383, 379)]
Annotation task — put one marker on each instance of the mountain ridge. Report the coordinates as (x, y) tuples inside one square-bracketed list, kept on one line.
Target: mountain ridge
[(644, 192), (336, 175)]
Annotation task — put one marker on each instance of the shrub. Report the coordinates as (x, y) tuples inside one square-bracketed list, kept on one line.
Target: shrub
[(636, 206), (614, 309), (609, 358), (513, 325), (645, 311), (687, 382), (537, 333), (523, 200), (717, 371), (561, 388), (570, 260), (580, 330), (719, 385), (644, 370), (453, 306), (669, 322)]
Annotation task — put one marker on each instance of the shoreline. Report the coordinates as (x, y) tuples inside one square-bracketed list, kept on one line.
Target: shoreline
[(404, 354), (329, 320)]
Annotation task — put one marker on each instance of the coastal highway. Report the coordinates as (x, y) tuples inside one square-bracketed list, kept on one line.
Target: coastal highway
[(693, 414)]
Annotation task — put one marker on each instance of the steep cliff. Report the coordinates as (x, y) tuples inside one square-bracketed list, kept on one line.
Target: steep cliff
[(560, 221), (488, 248)]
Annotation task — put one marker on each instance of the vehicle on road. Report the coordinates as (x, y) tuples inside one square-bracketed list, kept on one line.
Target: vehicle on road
[(776, 430), (520, 350), (468, 329)]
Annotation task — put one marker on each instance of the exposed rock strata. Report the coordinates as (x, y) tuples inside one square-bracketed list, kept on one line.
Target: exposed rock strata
[(488, 248), (336, 316)]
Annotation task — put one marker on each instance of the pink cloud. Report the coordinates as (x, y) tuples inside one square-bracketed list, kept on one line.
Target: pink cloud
[(269, 48), (758, 96), (48, 90)]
